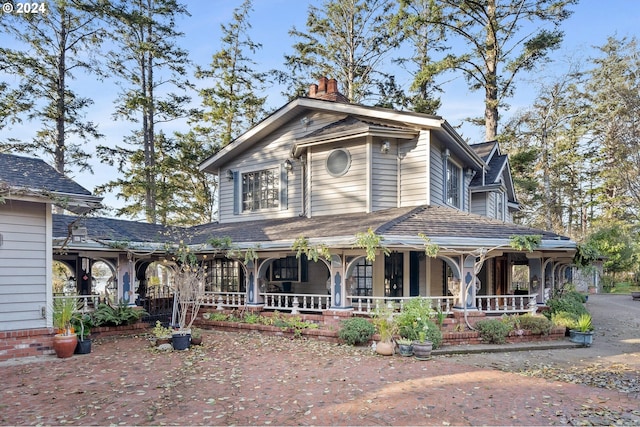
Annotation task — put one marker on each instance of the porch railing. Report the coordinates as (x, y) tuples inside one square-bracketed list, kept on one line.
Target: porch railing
[(222, 300), (367, 305), (507, 303), (296, 302)]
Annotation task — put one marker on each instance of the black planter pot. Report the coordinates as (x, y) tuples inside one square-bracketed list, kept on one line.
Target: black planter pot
[(83, 347), (181, 341)]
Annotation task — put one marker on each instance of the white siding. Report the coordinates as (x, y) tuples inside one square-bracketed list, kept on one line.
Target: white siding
[(384, 177), (414, 177), (344, 194), (24, 264), (270, 153)]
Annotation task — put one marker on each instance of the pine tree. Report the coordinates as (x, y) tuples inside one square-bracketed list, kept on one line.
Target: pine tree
[(54, 45), (414, 21), (148, 63), (614, 92), (499, 46), (345, 40), (233, 104)]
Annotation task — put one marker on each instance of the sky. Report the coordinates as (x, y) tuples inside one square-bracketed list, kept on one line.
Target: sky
[(590, 24)]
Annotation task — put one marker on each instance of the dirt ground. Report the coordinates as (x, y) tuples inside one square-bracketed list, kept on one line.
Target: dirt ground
[(250, 379)]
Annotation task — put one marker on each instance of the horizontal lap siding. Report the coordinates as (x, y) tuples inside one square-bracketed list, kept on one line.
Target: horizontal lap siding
[(269, 153), (23, 263), (437, 176), (384, 179), (479, 204), (414, 180), (344, 194)]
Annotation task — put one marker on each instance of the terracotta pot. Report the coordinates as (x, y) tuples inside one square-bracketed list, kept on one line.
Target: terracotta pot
[(384, 348), (65, 345), (196, 341)]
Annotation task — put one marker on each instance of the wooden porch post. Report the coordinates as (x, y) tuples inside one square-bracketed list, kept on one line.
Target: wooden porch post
[(338, 283)]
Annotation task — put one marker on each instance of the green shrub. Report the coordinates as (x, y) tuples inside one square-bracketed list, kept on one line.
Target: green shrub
[(538, 325), (122, 314), (433, 333), (569, 303), (356, 330), (493, 331), (563, 318)]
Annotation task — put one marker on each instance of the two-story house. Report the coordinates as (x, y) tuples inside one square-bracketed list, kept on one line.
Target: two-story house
[(323, 171)]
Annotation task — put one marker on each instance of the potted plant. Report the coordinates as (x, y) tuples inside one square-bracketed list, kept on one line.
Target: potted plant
[(386, 328), (196, 336), (415, 324), (422, 347), (82, 323), (583, 332), (405, 347), (161, 333), (65, 340)]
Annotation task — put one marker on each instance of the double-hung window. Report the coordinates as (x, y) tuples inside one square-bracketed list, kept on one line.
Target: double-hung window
[(260, 190), (453, 184)]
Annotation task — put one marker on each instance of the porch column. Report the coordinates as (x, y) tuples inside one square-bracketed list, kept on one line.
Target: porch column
[(469, 282), (126, 280), (536, 282), (338, 286), (251, 284)]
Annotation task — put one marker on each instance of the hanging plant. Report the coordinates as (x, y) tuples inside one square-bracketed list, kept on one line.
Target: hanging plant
[(371, 243), (301, 246)]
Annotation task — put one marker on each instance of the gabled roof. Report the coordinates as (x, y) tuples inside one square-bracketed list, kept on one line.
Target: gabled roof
[(23, 177), (399, 226), (350, 127), (485, 149), (301, 105)]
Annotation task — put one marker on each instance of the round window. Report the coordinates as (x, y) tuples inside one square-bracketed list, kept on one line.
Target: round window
[(338, 162)]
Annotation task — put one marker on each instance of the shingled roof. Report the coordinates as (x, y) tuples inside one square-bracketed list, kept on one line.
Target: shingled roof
[(443, 225), (116, 230), (30, 176)]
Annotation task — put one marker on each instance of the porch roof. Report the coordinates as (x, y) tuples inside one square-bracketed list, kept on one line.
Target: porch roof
[(29, 178), (399, 226)]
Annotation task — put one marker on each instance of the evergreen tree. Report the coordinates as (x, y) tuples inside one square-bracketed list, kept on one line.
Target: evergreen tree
[(148, 63), (345, 40), (552, 157), (54, 44), (232, 105), (499, 45), (414, 21), (614, 93)]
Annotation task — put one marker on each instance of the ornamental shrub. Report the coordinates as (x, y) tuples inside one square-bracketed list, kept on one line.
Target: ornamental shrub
[(562, 318), (493, 331), (538, 325), (356, 330), (569, 303)]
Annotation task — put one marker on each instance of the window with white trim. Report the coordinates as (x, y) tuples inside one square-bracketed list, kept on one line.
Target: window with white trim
[(453, 184), (260, 190)]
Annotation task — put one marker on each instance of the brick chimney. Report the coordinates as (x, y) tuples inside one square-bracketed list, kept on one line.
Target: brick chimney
[(327, 89)]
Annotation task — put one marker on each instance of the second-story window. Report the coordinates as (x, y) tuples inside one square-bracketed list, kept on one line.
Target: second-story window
[(260, 190), (453, 184)]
